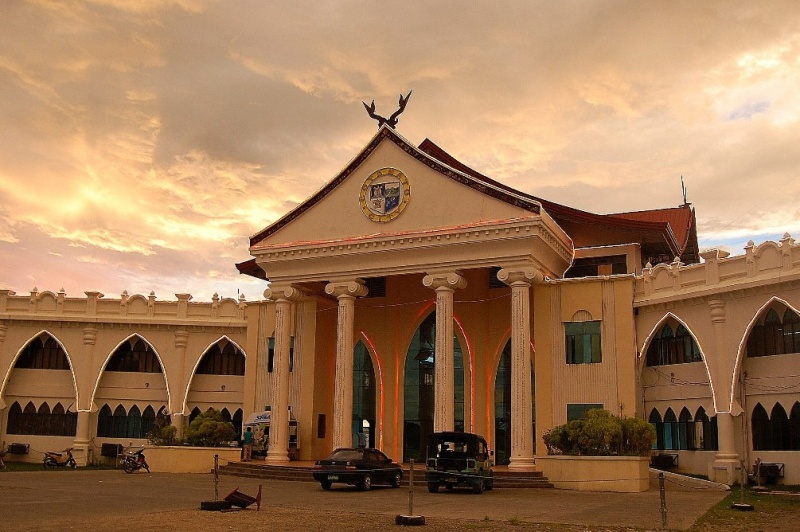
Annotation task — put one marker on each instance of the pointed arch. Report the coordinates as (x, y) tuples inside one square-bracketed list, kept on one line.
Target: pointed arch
[(657, 329), (111, 354), (794, 427), (378, 368), (779, 426), (42, 332), (655, 420), (105, 422), (227, 341), (737, 369), (761, 429)]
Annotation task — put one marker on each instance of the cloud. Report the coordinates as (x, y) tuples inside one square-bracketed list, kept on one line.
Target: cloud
[(144, 142)]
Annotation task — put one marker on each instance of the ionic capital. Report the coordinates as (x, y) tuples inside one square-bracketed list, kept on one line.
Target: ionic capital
[(349, 288), (284, 292), (451, 280), (522, 275)]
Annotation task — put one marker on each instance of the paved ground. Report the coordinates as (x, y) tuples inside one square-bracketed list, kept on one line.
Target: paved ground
[(95, 500)]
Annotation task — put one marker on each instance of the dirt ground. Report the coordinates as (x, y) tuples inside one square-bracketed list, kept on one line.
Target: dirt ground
[(111, 500)]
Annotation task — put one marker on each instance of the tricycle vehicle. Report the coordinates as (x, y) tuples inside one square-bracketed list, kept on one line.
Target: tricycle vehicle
[(458, 459)]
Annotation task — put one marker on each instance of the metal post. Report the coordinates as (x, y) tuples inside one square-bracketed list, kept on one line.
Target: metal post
[(216, 477), (411, 489), (663, 509)]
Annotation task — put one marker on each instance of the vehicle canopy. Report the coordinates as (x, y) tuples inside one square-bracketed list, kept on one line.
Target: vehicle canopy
[(457, 445)]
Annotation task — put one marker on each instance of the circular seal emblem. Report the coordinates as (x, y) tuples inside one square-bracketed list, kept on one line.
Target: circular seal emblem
[(384, 195)]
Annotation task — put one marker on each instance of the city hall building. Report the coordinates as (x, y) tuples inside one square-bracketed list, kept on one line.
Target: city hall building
[(412, 294)]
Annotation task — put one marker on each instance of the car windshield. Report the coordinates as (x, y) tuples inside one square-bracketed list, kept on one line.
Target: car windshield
[(346, 454), (454, 445)]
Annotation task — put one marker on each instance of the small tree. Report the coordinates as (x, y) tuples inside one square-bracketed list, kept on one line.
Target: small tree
[(210, 430), (601, 433), (163, 432)]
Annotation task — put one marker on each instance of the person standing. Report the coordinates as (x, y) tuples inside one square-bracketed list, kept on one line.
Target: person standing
[(247, 440)]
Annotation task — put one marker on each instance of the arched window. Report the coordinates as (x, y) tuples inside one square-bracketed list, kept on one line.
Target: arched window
[(194, 413), (226, 415), (655, 420), (794, 428), (134, 356), (673, 348), (237, 421), (686, 431), (15, 419), (767, 337), (223, 358), (105, 423), (707, 439), (791, 332), (148, 421), (762, 432), (670, 430), (134, 423), (779, 422), (43, 354), (43, 419), (120, 423)]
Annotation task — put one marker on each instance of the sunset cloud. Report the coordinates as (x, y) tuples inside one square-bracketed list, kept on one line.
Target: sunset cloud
[(145, 141)]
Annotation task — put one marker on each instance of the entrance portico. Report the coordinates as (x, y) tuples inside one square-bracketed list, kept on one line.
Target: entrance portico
[(383, 218)]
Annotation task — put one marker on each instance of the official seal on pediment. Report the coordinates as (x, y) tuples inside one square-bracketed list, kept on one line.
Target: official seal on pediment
[(384, 194)]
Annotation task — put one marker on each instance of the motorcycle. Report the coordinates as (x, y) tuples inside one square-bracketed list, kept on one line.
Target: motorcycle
[(53, 460), (134, 461), (3, 452)]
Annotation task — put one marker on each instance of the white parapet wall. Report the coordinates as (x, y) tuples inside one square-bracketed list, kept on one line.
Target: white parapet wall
[(180, 459), (629, 474)]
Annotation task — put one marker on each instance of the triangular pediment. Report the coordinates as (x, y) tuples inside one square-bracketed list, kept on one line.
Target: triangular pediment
[(432, 196)]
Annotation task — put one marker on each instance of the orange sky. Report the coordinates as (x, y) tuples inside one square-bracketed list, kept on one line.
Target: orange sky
[(143, 142)]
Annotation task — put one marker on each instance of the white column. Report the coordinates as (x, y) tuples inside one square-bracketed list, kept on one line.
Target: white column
[(520, 279), (726, 460), (444, 361), (179, 387), (279, 421), (83, 438), (346, 293)]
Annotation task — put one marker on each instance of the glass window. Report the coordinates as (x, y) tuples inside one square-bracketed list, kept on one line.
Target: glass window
[(578, 411), (667, 347), (582, 341)]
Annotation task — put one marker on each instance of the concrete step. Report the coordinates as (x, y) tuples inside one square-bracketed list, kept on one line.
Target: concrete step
[(502, 478)]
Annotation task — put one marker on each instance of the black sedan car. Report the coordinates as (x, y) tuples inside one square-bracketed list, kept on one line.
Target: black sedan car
[(358, 467)]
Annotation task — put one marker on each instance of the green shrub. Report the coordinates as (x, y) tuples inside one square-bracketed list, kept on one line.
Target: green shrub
[(210, 430), (601, 433), (163, 432)]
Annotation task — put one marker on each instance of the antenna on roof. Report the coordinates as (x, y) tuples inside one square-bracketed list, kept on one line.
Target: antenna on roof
[(683, 190)]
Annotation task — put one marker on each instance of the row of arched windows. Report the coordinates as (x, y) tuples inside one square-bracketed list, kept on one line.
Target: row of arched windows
[(776, 432), (775, 336), (42, 353), (126, 424), (771, 335), (41, 421), (133, 356), (685, 433)]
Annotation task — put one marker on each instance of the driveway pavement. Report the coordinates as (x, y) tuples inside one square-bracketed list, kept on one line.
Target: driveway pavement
[(28, 498)]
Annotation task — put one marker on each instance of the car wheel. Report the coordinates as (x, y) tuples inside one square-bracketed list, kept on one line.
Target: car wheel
[(396, 479), (489, 485), (366, 483), (326, 484), (433, 487), (478, 487)]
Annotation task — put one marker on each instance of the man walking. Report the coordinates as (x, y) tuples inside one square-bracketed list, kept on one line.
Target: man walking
[(248, 444)]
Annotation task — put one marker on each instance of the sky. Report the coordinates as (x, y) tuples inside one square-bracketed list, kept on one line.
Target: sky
[(143, 142)]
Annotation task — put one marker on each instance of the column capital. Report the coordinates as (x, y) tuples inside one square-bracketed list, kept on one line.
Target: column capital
[(717, 307), (349, 287), (283, 292), (451, 280), (516, 275)]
